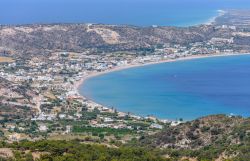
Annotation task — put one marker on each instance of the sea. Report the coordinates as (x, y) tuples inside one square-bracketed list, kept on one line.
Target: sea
[(122, 12), (186, 89), (183, 89)]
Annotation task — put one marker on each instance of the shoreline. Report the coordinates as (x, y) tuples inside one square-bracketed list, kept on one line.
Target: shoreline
[(212, 20), (79, 83), (90, 75)]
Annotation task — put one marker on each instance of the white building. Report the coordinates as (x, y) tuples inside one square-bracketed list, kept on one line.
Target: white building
[(156, 126), (43, 128), (107, 119)]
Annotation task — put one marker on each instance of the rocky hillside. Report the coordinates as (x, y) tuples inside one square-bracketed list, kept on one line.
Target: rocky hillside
[(8, 87), (210, 137), (15, 100), (202, 132), (42, 39)]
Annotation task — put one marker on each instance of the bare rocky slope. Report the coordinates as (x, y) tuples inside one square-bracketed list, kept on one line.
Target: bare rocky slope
[(205, 131), (42, 39), (11, 109), (217, 137)]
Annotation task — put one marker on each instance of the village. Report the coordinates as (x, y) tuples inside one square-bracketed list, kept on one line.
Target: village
[(58, 109)]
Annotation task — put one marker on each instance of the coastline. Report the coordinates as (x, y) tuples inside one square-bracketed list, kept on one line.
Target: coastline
[(212, 20), (81, 82)]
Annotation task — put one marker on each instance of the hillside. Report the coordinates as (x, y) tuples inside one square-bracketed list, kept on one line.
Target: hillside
[(76, 37), (219, 138), (44, 39), (207, 137), (15, 100)]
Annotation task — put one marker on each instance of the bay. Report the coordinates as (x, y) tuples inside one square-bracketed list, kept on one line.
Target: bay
[(183, 89)]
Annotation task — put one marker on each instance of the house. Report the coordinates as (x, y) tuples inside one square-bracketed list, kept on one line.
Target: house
[(43, 128), (156, 126), (175, 123), (62, 116), (68, 129), (107, 119)]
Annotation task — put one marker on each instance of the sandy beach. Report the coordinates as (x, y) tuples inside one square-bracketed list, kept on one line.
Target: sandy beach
[(79, 83)]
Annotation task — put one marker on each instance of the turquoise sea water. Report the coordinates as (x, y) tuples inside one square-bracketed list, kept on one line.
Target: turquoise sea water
[(132, 12), (184, 89)]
